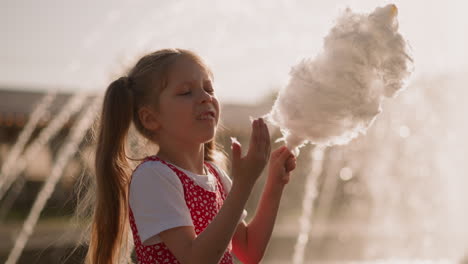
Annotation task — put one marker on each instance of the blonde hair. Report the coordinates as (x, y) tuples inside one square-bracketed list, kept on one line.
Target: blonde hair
[(106, 199)]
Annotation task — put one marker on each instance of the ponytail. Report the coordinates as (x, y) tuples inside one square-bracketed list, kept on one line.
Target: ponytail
[(109, 226)]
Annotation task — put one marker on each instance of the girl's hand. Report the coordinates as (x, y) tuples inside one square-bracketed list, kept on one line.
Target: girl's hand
[(282, 162), (247, 169)]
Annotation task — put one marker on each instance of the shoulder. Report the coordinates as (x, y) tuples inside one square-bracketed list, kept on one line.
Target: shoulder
[(154, 174), (151, 167), (157, 200)]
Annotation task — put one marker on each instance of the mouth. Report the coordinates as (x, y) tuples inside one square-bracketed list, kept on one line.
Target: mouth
[(207, 115)]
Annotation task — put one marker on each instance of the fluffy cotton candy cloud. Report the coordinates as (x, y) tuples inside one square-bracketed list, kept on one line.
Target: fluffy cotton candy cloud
[(334, 97)]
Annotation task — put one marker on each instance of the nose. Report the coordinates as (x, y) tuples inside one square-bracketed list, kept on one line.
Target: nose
[(205, 97)]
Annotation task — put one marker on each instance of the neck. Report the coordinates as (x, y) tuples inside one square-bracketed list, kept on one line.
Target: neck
[(187, 156)]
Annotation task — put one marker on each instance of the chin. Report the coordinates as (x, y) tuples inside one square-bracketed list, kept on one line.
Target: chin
[(207, 138)]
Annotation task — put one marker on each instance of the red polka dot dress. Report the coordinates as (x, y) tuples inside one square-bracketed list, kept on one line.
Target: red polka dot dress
[(203, 206)]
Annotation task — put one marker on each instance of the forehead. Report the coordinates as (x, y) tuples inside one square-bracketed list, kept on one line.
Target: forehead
[(186, 69)]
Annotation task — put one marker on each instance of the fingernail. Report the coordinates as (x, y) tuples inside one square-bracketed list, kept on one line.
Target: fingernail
[(234, 140)]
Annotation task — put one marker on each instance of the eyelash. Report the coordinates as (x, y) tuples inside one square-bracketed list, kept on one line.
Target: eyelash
[(211, 91)]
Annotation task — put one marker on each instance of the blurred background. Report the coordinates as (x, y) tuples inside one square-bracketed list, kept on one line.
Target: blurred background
[(395, 195)]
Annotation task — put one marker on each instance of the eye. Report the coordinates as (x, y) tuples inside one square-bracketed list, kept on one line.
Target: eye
[(186, 93)]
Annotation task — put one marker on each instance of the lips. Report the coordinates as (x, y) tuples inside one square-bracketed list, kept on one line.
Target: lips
[(206, 115)]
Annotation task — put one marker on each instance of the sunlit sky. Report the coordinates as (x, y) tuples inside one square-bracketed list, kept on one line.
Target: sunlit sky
[(250, 45)]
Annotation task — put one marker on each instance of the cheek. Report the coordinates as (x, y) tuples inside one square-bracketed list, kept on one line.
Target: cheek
[(173, 115), (218, 109), (180, 115), (175, 109)]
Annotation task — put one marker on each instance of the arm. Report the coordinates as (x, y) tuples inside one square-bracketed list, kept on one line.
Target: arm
[(250, 241), (210, 245)]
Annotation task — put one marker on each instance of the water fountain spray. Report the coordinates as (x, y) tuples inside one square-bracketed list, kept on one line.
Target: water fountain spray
[(21, 161), (65, 153), (39, 111), (72, 106)]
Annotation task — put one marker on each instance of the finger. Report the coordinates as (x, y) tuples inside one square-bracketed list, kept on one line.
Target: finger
[(258, 130), (236, 150), (262, 145), (254, 140), (267, 136), (285, 155), (269, 142), (277, 152), (290, 164)]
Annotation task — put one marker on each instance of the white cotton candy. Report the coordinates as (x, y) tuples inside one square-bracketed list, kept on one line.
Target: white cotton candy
[(336, 96)]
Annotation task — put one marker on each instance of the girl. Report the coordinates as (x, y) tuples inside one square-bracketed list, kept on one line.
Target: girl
[(179, 205)]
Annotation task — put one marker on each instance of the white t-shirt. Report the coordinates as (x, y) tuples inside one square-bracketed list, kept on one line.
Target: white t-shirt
[(157, 198)]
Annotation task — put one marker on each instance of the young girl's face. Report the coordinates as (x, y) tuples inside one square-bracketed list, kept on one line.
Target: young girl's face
[(188, 108)]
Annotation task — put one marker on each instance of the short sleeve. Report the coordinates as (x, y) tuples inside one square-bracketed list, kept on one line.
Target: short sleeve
[(227, 184), (157, 200)]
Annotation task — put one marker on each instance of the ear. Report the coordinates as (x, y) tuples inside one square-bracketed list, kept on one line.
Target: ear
[(149, 118)]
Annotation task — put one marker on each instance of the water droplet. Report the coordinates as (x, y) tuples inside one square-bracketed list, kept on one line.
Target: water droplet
[(346, 174), (405, 131)]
